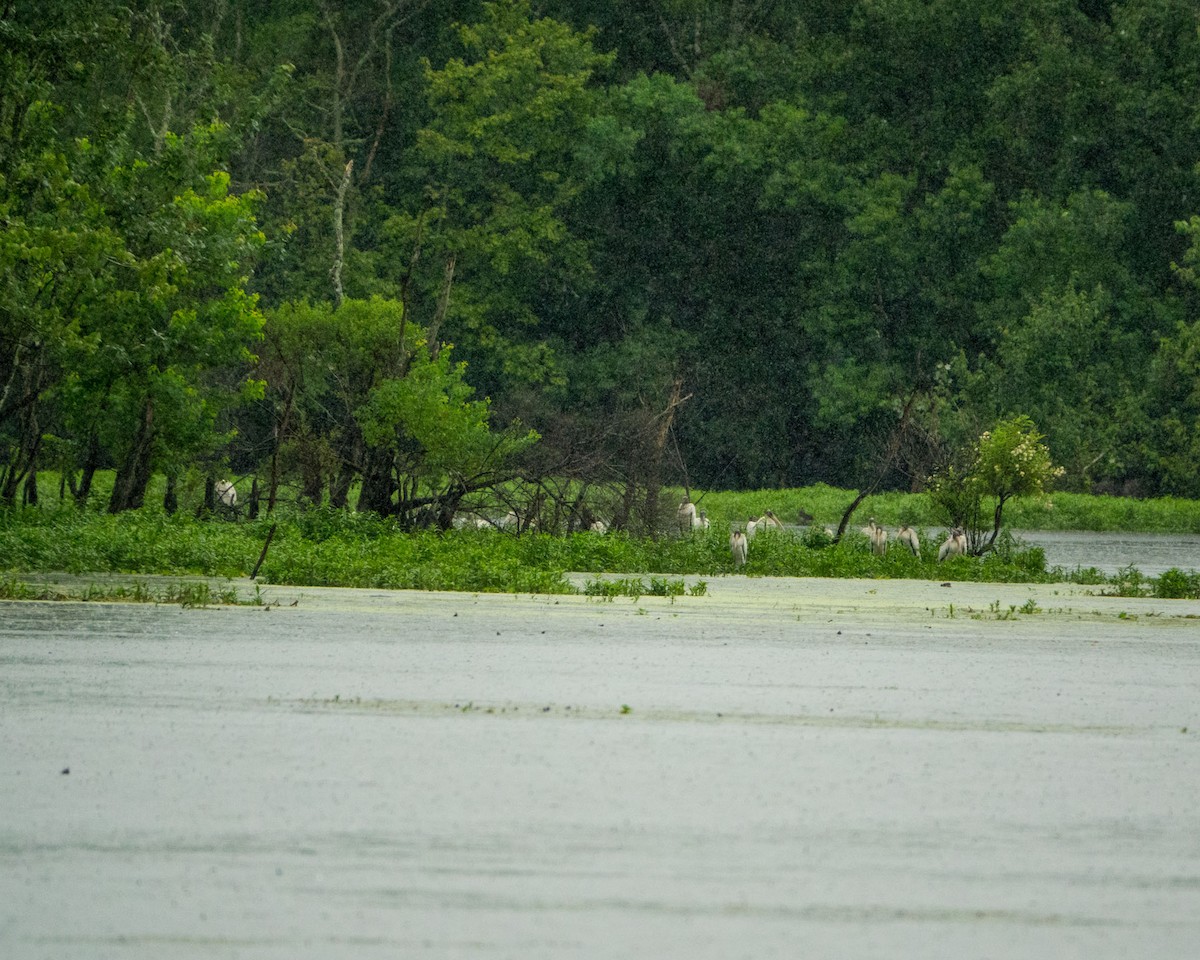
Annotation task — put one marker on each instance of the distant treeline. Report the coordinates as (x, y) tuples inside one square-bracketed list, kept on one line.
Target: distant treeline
[(712, 244)]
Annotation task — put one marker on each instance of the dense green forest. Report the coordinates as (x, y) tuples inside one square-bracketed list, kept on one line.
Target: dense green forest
[(389, 254)]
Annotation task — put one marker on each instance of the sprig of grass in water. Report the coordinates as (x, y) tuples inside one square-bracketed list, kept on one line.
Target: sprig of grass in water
[(634, 587)]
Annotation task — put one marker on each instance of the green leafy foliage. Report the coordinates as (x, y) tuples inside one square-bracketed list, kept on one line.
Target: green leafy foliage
[(323, 546), (431, 414), (1006, 462), (516, 132), (1177, 584), (1012, 461), (333, 548), (795, 226)]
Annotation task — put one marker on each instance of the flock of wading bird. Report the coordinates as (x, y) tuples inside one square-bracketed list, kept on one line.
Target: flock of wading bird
[(954, 545), (691, 520)]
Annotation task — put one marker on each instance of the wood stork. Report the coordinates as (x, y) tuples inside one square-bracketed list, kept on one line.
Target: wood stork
[(752, 527), (226, 493), (686, 516), (598, 526), (702, 521), (955, 545), (878, 537), (471, 521), (510, 521), (738, 547), (908, 537), (769, 519)]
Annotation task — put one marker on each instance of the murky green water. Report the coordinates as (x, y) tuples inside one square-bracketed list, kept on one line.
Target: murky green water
[(779, 769)]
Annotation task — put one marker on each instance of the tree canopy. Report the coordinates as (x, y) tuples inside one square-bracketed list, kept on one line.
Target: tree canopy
[(387, 243)]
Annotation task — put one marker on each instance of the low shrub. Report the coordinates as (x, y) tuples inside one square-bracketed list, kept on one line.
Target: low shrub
[(1175, 584)]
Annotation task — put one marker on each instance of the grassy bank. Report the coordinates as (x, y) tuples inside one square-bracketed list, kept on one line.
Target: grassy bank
[(331, 548), (1060, 511), (825, 504)]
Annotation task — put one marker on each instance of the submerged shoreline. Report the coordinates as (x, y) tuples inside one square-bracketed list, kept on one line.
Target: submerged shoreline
[(725, 597)]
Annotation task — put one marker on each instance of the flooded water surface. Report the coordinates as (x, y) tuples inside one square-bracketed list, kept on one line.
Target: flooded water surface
[(778, 769), (1151, 553)]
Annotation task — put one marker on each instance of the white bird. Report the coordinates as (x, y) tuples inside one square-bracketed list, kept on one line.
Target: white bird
[(769, 519), (701, 522), (598, 526), (751, 528), (226, 493), (738, 546), (686, 516), (908, 537), (954, 545), (514, 521), (878, 537), (509, 521)]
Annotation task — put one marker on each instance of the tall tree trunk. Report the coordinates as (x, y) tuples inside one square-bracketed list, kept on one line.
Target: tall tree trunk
[(443, 305), (624, 510), (252, 510), (312, 470), (133, 475), (339, 234), (979, 542), (24, 463), (655, 451), (10, 479), (17, 371), (91, 463), (378, 484), (351, 453), (29, 434), (279, 433), (170, 499)]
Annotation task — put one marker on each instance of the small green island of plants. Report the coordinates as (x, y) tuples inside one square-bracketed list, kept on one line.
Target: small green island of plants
[(321, 546)]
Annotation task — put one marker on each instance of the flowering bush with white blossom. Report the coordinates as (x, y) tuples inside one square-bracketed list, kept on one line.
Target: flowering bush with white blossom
[(1010, 460)]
